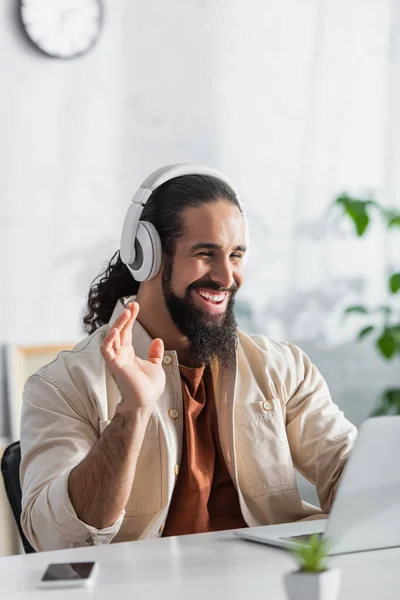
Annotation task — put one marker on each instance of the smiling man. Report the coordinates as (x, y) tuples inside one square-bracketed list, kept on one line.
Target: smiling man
[(167, 419)]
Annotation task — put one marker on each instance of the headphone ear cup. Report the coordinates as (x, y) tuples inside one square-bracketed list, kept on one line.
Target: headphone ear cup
[(148, 252)]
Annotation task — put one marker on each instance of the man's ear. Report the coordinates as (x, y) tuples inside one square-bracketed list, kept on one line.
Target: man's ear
[(166, 265), (163, 262)]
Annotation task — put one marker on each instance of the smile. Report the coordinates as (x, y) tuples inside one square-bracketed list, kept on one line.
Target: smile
[(211, 301), (214, 298)]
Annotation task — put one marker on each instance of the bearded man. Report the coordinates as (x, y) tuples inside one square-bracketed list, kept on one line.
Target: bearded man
[(167, 419)]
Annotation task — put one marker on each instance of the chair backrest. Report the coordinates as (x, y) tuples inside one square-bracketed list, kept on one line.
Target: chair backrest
[(20, 363), (10, 463)]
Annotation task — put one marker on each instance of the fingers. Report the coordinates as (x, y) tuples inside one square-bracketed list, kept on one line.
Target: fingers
[(114, 332), (110, 345), (156, 351), (126, 315), (124, 323), (126, 331), (122, 319), (116, 341)]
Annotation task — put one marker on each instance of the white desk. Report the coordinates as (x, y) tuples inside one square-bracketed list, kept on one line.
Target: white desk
[(202, 567)]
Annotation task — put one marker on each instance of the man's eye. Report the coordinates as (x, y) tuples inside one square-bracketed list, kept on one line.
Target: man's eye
[(206, 254), (237, 256)]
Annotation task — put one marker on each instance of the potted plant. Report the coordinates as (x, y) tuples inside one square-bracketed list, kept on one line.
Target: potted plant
[(313, 580), (382, 322)]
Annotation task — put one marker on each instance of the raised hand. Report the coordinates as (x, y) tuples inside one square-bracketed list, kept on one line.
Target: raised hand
[(141, 382)]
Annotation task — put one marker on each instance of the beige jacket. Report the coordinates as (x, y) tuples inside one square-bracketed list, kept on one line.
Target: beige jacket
[(275, 414)]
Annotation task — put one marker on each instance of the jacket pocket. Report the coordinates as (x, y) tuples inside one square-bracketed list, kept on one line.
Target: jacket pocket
[(262, 449)]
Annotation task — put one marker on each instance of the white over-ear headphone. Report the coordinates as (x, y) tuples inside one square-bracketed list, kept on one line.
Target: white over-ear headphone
[(141, 249)]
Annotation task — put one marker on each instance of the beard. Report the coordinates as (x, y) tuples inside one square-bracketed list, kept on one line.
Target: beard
[(210, 336)]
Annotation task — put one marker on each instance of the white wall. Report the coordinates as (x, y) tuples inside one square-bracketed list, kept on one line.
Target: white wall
[(294, 100)]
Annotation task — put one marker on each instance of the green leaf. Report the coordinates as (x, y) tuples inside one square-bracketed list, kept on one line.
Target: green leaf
[(364, 332), (343, 199), (393, 219), (394, 283), (387, 344), (357, 308), (312, 554), (394, 331), (392, 397), (389, 403), (357, 211)]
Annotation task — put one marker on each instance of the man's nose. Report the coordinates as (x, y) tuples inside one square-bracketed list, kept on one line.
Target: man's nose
[(222, 273)]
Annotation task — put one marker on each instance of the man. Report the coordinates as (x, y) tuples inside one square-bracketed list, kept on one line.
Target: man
[(168, 420)]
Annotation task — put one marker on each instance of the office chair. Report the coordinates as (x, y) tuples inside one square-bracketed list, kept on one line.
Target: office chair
[(10, 463)]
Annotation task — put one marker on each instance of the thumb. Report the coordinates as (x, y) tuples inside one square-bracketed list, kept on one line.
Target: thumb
[(156, 351)]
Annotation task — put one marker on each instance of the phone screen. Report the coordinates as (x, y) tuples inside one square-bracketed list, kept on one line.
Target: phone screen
[(68, 571)]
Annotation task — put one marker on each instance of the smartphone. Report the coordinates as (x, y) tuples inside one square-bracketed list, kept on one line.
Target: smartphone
[(59, 575)]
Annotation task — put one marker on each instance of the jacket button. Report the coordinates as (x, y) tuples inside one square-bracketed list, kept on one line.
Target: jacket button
[(176, 469), (267, 405), (160, 531), (167, 360), (173, 413)]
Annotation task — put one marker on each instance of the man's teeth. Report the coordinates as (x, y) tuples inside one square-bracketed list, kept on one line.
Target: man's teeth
[(212, 297)]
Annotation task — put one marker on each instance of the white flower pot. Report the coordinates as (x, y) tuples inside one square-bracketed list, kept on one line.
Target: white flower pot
[(313, 586)]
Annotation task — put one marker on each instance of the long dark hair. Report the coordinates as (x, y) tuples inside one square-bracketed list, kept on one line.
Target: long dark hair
[(163, 209)]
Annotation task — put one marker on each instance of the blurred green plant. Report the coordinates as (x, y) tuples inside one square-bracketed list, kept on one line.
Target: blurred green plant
[(311, 555), (387, 333)]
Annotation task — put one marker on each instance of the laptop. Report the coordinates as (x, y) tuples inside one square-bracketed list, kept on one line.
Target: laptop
[(366, 511)]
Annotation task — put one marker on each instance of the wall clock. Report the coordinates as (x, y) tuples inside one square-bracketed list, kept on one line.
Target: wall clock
[(62, 28)]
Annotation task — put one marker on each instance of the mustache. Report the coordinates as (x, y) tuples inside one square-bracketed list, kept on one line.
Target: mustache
[(213, 285)]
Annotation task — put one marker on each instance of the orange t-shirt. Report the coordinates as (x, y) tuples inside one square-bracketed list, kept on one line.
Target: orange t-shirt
[(204, 497)]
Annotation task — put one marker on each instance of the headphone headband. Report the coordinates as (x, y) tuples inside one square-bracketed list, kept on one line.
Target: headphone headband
[(164, 174)]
